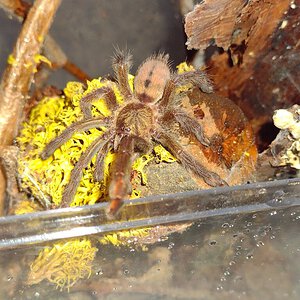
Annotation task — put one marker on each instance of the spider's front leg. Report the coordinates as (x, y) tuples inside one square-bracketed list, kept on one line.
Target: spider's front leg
[(104, 92), (168, 141), (120, 186), (69, 131), (82, 163), (121, 63), (197, 78)]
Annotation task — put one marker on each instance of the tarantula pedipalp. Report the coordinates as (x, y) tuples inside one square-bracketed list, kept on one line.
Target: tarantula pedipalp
[(145, 117)]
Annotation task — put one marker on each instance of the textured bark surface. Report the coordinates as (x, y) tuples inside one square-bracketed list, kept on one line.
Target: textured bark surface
[(258, 63), (18, 75)]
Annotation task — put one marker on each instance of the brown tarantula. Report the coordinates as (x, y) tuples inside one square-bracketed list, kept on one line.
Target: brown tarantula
[(146, 116)]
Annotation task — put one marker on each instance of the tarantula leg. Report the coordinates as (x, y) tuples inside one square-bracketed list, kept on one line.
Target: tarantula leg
[(76, 173), (190, 125), (168, 95), (121, 63), (104, 92), (68, 132), (197, 78), (120, 186), (211, 178), (99, 164)]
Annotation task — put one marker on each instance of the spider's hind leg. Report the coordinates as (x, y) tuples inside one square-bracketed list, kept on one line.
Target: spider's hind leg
[(190, 125), (76, 174), (211, 178)]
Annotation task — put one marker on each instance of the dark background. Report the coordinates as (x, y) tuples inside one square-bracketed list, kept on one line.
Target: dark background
[(88, 31)]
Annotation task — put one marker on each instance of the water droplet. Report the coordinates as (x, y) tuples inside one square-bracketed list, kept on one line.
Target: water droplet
[(100, 272), (260, 243), (171, 245), (262, 191), (249, 256)]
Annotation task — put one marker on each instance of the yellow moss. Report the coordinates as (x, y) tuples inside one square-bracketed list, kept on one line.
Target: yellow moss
[(64, 263), (184, 67), (162, 155), (11, 60), (26, 207), (38, 58), (124, 237)]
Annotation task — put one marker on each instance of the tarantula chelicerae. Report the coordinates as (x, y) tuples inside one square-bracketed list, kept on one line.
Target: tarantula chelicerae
[(145, 117)]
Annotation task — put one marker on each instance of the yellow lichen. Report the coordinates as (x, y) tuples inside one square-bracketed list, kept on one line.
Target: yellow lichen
[(38, 58), (11, 60), (64, 263), (125, 237), (26, 207), (184, 67)]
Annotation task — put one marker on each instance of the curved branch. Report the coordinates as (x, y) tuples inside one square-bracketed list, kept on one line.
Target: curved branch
[(17, 77)]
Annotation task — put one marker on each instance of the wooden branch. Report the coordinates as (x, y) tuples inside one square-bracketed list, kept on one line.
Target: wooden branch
[(53, 51), (18, 75)]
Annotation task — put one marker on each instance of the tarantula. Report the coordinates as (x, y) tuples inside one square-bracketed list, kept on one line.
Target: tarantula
[(145, 117)]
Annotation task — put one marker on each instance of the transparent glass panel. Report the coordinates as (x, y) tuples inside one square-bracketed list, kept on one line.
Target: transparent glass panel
[(227, 243)]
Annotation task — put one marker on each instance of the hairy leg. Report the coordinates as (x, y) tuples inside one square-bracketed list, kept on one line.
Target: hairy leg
[(168, 95), (104, 92), (68, 132), (76, 173), (187, 160), (121, 64), (197, 78), (188, 124), (120, 186), (99, 164)]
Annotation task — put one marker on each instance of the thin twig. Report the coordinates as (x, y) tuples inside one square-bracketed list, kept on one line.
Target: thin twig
[(18, 75), (53, 51)]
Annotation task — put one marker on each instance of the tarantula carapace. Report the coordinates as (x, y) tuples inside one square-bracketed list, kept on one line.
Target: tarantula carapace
[(145, 117)]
